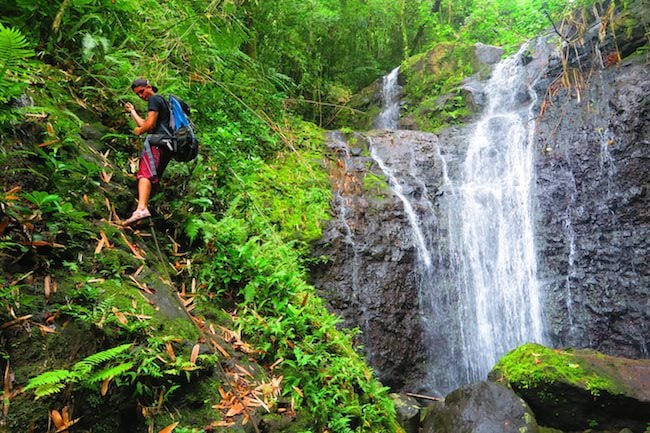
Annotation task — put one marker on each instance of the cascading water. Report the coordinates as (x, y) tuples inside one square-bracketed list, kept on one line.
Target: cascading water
[(390, 96), (479, 294), (414, 221), (490, 224)]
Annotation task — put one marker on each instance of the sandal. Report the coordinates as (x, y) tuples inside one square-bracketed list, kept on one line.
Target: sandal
[(137, 216)]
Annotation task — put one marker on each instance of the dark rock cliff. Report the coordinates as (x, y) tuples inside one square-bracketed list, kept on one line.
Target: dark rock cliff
[(593, 178)]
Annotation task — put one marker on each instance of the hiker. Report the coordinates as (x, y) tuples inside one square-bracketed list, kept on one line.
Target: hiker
[(156, 153)]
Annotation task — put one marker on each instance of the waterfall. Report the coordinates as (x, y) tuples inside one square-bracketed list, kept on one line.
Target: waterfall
[(390, 93), (414, 221), (479, 294), (490, 226)]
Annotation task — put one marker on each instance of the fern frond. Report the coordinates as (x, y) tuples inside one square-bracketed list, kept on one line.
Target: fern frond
[(50, 378), (49, 389), (111, 372), (13, 48), (85, 366)]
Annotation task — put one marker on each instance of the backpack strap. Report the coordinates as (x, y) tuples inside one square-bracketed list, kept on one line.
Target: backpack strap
[(165, 128)]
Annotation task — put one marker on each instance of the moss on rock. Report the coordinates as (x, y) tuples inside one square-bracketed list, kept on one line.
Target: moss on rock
[(578, 389)]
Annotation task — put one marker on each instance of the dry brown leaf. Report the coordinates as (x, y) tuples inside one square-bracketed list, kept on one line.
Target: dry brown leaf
[(106, 177), (134, 248), (236, 409), (120, 317), (15, 321), (57, 419), (243, 370), (276, 363), (219, 348), (45, 329), (67, 425), (103, 242), (43, 244), (170, 351), (47, 281), (195, 353), (96, 280), (169, 428), (47, 143), (105, 383), (141, 286)]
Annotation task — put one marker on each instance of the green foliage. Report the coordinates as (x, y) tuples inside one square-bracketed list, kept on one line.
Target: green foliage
[(83, 372), (14, 50)]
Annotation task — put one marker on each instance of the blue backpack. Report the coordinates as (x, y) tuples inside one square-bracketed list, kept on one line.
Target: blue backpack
[(185, 145)]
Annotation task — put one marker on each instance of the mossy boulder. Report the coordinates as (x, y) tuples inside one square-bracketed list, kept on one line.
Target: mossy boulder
[(578, 389), (434, 93)]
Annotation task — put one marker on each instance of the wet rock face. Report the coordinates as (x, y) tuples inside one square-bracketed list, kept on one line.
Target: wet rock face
[(593, 195), (370, 279)]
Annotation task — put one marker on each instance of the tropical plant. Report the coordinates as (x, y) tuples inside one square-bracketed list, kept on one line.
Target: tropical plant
[(85, 372), (14, 67)]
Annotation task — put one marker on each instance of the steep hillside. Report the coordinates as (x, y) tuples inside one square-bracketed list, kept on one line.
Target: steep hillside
[(198, 319)]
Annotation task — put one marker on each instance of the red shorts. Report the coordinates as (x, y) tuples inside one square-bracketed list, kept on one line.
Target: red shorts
[(161, 157)]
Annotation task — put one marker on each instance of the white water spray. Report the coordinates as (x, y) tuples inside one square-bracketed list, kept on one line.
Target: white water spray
[(390, 93), (492, 244), (420, 243)]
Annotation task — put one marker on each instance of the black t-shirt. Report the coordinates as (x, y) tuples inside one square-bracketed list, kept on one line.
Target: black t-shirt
[(157, 103)]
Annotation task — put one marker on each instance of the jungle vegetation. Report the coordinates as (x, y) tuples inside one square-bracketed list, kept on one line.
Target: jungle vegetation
[(205, 319)]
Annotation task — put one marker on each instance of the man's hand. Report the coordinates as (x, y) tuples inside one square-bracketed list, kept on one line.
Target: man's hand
[(129, 107)]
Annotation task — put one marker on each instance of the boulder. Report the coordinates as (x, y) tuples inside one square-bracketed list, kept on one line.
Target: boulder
[(481, 407), (487, 54), (408, 412), (579, 389)]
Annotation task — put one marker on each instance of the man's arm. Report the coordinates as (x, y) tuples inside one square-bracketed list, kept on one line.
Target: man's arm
[(147, 124), (134, 114)]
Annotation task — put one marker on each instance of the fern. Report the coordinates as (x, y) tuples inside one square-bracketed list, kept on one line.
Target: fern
[(13, 52), (49, 389), (86, 365), (111, 372), (54, 381), (49, 378), (49, 382)]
